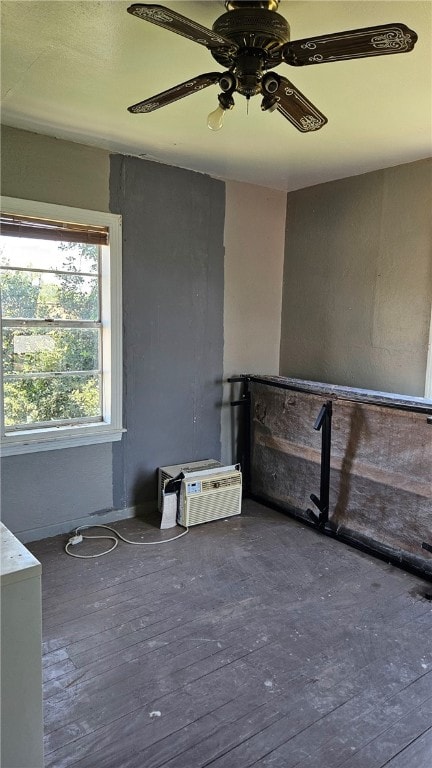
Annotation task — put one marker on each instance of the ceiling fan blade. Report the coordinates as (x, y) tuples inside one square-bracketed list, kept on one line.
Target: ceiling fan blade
[(297, 108), (175, 93), (351, 44), (181, 25)]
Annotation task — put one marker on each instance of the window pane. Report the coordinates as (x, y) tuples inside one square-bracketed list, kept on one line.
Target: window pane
[(40, 350), (44, 254), (41, 295), (51, 399)]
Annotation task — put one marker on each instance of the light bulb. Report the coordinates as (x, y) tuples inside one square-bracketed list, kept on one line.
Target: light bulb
[(216, 118)]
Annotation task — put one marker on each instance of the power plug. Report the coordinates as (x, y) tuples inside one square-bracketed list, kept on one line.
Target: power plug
[(77, 539)]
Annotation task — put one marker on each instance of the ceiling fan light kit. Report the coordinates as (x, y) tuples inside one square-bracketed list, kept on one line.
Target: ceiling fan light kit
[(249, 39)]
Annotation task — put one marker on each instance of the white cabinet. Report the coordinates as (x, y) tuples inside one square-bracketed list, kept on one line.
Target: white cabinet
[(21, 655)]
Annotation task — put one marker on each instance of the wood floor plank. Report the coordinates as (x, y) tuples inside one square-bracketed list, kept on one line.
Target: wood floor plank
[(158, 741), (334, 739), (106, 700), (242, 717), (158, 651), (380, 752), (417, 754), (259, 641), (208, 691)]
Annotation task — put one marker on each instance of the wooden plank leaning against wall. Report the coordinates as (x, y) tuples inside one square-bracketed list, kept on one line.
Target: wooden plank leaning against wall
[(381, 464)]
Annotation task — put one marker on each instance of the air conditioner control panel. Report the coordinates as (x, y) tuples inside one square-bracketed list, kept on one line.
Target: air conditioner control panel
[(193, 487)]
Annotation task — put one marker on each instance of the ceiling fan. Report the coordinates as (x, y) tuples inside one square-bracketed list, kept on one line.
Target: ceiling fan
[(252, 38)]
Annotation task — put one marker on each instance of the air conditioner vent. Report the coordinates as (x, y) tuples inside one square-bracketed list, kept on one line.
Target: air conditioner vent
[(204, 509), (221, 482)]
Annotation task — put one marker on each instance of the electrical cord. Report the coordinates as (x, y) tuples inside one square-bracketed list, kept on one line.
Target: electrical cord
[(78, 537)]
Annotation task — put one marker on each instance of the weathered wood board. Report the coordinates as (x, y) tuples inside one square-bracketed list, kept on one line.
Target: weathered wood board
[(381, 466)]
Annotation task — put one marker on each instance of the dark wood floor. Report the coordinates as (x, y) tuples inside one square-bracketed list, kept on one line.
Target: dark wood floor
[(252, 641)]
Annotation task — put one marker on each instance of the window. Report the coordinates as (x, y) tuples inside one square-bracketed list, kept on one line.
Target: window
[(60, 281)]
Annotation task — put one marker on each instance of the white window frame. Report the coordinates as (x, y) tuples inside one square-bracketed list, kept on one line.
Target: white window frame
[(110, 429)]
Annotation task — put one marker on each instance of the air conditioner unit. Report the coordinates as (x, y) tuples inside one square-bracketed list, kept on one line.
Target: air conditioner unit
[(209, 495), (169, 473)]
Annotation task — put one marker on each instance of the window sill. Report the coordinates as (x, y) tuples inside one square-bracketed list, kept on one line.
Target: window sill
[(61, 437)]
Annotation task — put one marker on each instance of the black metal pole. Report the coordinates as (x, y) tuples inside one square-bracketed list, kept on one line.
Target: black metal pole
[(247, 440), (323, 422), (244, 432)]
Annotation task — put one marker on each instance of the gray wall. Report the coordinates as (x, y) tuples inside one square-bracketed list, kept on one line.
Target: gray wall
[(173, 263), (358, 280), (48, 170), (173, 332), (44, 493)]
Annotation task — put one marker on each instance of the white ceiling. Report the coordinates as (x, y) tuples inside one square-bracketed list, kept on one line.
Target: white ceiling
[(70, 70)]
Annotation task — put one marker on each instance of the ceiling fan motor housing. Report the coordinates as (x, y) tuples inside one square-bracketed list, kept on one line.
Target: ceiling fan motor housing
[(258, 32), (270, 5), (251, 28)]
